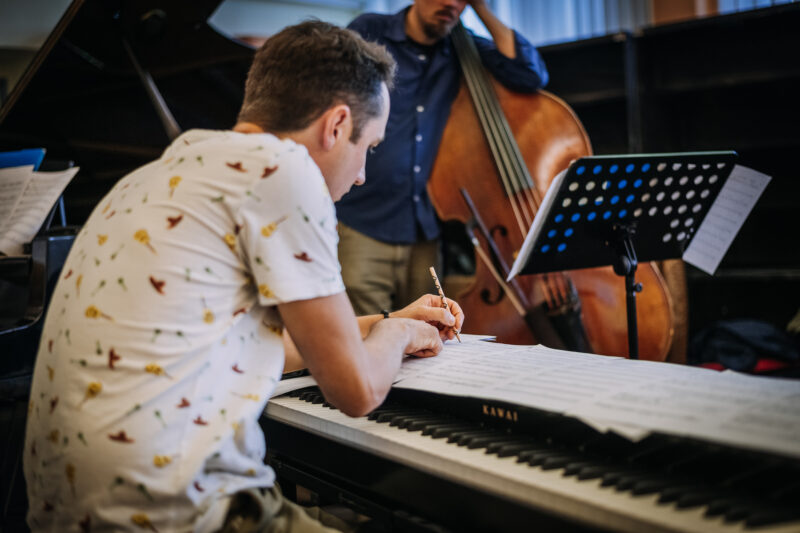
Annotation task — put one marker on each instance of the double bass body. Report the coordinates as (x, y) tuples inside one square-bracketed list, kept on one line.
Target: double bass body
[(549, 136)]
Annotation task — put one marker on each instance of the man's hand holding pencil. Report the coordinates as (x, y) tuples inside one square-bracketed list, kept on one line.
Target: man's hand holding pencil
[(448, 320)]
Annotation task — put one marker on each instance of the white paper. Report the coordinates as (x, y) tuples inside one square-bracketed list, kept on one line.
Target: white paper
[(725, 218), (23, 209), (536, 227), (631, 398)]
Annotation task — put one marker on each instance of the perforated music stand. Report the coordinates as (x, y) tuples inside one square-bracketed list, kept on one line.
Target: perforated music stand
[(621, 209)]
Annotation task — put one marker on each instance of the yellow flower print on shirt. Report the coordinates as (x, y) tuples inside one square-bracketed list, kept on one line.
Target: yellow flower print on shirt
[(174, 181), (156, 370), (143, 237), (230, 240), (93, 389), (270, 228), (143, 521), (208, 316), (160, 461), (78, 282), (265, 291), (69, 470), (101, 239), (94, 312)]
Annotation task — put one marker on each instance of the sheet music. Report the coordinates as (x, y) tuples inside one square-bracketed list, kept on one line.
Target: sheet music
[(632, 398), (536, 228), (726, 216), (26, 198)]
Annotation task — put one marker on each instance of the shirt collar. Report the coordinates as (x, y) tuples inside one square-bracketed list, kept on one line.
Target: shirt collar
[(396, 31)]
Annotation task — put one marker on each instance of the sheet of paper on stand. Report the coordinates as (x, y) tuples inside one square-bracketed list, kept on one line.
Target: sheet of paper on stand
[(725, 218), (26, 198)]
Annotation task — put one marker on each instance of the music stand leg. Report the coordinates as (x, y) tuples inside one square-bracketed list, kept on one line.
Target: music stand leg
[(625, 265)]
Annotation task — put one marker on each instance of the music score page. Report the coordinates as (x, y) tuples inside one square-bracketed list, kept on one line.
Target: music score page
[(632, 398)]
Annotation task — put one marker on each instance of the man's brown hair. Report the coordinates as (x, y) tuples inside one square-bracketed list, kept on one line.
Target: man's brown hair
[(303, 70)]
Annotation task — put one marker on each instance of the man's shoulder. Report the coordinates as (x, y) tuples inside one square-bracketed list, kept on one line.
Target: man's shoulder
[(373, 24)]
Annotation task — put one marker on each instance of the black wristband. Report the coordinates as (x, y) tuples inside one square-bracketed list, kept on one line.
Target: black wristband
[(385, 313)]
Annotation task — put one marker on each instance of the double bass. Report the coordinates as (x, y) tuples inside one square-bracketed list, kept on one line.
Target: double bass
[(498, 154)]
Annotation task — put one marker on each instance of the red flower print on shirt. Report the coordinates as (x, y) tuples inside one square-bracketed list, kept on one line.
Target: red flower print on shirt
[(68, 274), (268, 171), (239, 311), (173, 221), (237, 166), (303, 257), (199, 487), (158, 284), (199, 421), (236, 369), (184, 403), (112, 358), (53, 404), (121, 437)]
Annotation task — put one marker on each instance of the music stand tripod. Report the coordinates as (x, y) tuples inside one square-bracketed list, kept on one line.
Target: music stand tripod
[(621, 209)]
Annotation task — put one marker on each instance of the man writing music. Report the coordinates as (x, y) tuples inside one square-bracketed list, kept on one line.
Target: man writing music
[(388, 228), (192, 282)]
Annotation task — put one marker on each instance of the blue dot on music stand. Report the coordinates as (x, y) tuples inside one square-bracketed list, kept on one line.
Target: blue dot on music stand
[(622, 213), (551, 234), (607, 215), (559, 217), (614, 199), (568, 232), (630, 198), (645, 167), (562, 247), (580, 170), (630, 168), (622, 184), (597, 169), (591, 216), (575, 217), (613, 169), (545, 248), (637, 184)]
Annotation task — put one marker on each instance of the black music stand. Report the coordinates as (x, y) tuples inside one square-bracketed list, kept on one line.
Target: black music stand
[(621, 209)]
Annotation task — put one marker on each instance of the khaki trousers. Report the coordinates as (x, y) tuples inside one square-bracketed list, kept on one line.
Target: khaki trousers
[(381, 276)]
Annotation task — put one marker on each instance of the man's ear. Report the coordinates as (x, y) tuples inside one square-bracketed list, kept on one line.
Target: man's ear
[(337, 125)]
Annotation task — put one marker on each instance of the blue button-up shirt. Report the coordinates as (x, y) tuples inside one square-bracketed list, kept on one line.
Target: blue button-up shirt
[(393, 205)]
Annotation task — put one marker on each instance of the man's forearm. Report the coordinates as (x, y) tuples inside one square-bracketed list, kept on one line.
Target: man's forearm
[(502, 35)]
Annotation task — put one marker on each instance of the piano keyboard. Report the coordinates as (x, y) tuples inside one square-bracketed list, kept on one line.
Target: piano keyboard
[(518, 469)]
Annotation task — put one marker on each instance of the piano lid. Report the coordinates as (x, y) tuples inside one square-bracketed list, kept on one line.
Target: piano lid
[(82, 98)]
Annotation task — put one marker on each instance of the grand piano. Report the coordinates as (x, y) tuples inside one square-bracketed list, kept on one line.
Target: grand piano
[(111, 86)]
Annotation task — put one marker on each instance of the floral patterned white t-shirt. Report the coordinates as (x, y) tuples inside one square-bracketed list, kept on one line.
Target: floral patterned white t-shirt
[(162, 343)]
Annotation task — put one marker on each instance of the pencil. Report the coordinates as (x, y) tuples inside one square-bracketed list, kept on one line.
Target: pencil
[(441, 295)]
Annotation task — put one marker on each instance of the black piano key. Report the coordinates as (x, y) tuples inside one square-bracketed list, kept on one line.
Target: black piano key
[(673, 492), (649, 486), (445, 432), (515, 449), (611, 478), (595, 471), (537, 459), (495, 446), (739, 512), (574, 467), (455, 436), (439, 430), (771, 517), (491, 439), (557, 461), (400, 419), (467, 437), (627, 481), (387, 416), (421, 423), (720, 505), (694, 499)]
